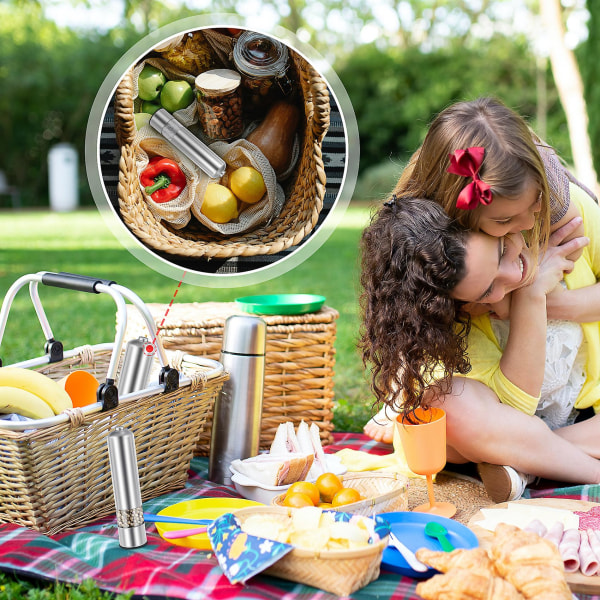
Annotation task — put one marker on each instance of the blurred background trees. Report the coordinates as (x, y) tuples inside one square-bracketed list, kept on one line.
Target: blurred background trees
[(401, 62)]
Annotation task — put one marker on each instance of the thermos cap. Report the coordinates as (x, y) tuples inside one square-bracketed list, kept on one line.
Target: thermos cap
[(245, 335)]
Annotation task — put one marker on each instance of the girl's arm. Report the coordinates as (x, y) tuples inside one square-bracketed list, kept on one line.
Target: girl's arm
[(581, 302), (523, 359)]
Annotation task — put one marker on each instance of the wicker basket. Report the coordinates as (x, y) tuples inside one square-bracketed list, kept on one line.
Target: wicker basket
[(55, 475), (300, 360), (383, 492), (339, 572), (305, 190)]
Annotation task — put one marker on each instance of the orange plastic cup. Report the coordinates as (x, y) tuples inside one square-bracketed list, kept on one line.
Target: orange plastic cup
[(424, 443), (81, 387)]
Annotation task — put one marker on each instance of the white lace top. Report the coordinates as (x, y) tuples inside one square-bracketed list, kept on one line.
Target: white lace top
[(564, 373)]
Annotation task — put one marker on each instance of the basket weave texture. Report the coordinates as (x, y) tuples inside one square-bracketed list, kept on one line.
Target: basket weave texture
[(58, 478), (300, 360), (383, 492), (305, 190), (339, 572)]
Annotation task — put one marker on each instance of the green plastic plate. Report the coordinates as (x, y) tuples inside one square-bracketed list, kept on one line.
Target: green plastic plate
[(281, 304)]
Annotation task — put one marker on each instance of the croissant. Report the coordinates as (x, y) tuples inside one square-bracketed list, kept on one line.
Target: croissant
[(476, 560), (463, 584), (531, 563)]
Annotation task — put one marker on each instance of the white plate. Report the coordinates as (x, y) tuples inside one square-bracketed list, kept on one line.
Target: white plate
[(260, 492)]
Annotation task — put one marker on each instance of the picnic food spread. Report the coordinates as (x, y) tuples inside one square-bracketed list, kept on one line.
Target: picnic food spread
[(320, 518)]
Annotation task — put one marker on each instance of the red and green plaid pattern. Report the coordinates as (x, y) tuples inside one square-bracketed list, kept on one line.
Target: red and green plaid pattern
[(160, 569)]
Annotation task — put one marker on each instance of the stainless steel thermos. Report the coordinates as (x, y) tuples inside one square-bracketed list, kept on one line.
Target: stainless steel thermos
[(187, 143), (126, 488), (238, 408)]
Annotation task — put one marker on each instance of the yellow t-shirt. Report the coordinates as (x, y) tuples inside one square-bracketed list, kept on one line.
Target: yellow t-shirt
[(485, 353)]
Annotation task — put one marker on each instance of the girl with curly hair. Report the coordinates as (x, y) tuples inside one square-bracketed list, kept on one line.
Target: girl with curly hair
[(419, 270)]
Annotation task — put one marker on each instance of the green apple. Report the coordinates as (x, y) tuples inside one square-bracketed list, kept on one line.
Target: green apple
[(175, 95), (150, 82), (149, 107), (141, 119)]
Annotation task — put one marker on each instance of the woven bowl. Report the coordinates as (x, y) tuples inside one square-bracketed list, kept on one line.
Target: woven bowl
[(339, 572), (382, 492), (304, 191)]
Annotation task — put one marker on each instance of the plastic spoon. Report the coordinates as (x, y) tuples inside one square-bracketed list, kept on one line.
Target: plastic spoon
[(182, 533), (438, 531)]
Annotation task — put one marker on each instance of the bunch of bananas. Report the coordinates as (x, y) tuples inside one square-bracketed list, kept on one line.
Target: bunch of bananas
[(31, 394)]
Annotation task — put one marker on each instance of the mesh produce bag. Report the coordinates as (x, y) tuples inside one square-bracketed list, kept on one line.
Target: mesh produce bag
[(149, 143), (243, 154), (186, 116)]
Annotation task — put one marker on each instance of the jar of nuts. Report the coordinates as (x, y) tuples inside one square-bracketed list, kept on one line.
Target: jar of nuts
[(220, 104), (263, 63)]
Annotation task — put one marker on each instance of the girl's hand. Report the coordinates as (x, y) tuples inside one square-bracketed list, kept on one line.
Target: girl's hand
[(572, 212), (556, 261)]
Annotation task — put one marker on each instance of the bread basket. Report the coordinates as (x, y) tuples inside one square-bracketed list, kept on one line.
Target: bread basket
[(339, 572)]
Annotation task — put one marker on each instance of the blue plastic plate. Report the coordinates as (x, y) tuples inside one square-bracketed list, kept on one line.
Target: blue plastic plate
[(409, 528)]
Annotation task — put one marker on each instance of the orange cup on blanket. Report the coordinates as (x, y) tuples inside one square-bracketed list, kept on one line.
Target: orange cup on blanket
[(81, 387)]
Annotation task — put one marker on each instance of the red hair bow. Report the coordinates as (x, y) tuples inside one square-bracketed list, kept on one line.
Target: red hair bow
[(467, 163)]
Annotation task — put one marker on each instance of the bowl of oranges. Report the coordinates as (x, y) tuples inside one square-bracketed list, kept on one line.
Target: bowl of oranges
[(363, 494), (254, 490)]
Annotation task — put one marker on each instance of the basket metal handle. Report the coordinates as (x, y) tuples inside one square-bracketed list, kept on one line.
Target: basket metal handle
[(107, 393)]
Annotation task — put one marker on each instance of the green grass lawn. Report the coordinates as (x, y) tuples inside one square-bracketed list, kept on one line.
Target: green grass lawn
[(81, 242)]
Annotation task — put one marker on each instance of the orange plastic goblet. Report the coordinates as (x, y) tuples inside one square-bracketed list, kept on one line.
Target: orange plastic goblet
[(424, 444)]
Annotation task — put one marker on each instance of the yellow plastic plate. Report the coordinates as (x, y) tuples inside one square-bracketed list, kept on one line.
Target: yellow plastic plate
[(203, 508)]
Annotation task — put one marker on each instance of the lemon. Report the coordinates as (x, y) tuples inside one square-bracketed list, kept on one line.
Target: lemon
[(219, 204), (247, 184)]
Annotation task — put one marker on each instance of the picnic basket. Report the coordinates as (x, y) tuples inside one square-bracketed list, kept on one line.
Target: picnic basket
[(382, 492), (54, 472), (300, 360), (339, 572), (304, 190)]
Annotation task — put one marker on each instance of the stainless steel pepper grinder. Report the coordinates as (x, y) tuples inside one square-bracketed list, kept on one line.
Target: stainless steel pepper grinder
[(238, 408), (126, 488)]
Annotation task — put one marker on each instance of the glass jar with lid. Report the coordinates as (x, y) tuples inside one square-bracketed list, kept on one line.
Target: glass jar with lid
[(220, 103), (263, 63)]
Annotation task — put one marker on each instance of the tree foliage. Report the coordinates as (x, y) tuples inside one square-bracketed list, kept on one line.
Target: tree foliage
[(395, 94), (50, 77), (590, 72)]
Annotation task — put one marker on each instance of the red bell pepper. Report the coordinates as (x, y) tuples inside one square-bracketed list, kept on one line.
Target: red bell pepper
[(162, 179)]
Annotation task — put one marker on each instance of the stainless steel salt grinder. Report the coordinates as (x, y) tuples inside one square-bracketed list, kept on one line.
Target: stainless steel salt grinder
[(185, 141), (126, 488), (136, 366), (238, 408)]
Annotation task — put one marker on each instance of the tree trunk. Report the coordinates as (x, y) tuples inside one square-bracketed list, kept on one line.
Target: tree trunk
[(570, 89)]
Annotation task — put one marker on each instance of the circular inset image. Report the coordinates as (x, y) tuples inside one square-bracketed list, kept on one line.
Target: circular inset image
[(223, 151)]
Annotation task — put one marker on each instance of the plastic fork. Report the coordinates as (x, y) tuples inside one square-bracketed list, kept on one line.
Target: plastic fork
[(413, 562)]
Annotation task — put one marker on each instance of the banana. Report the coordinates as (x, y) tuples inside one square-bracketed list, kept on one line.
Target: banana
[(22, 402), (41, 385)]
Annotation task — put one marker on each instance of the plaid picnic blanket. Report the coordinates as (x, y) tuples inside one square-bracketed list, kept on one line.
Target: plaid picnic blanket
[(163, 570)]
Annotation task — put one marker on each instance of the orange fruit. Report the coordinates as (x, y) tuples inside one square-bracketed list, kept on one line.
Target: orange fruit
[(297, 500), (346, 496), (324, 505), (305, 487), (328, 485)]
